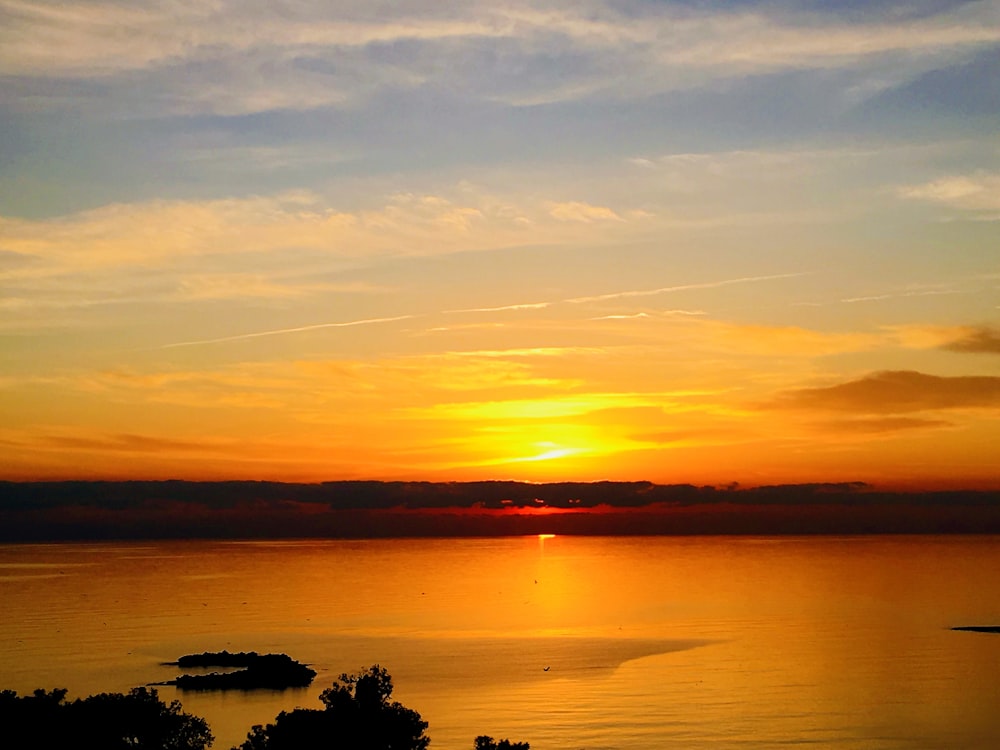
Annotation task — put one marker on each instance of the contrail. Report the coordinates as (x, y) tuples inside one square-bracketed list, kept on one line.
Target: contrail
[(681, 288), (502, 308), (629, 293), (896, 295), (279, 331)]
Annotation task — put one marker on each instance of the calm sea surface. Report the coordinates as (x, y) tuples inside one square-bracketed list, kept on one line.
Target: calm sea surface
[(564, 642)]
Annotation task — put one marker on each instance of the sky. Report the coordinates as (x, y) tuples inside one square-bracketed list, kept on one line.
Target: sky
[(752, 242)]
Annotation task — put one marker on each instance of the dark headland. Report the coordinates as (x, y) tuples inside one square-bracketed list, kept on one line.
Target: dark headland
[(979, 628), (42, 511)]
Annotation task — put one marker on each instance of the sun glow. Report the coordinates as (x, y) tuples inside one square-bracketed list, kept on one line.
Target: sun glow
[(552, 451)]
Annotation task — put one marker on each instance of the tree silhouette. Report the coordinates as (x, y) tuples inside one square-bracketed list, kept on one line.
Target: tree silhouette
[(138, 720), (357, 715), (484, 742)]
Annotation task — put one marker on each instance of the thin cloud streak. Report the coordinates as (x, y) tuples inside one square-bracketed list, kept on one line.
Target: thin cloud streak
[(632, 293), (502, 308), (683, 288), (281, 331), (921, 293), (633, 316)]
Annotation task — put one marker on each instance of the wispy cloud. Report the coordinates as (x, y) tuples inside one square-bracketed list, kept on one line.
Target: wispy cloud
[(631, 316), (881, 426), (230, 286), (158, 233), (657, 314), (682, 288), (683, 313), (585, 213), (517, 353), (198, 59), (199, 249), (632, 293), (900, 295), (789, 341), (285, 331), (132, 443), (501, 308)]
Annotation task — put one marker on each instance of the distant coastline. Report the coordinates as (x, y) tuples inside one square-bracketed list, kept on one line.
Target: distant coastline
[(979, 628), (85, 510)]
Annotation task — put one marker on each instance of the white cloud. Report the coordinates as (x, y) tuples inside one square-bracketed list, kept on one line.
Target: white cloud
[(161, 233), (977, 194), (264, 247)]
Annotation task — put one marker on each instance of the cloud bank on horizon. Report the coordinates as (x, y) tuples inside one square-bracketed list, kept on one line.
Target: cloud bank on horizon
[(675, 241)]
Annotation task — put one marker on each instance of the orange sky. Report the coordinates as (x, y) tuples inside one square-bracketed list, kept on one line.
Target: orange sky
[(749, 243)]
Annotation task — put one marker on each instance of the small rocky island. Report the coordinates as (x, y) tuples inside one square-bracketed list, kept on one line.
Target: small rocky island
[(253, 671)]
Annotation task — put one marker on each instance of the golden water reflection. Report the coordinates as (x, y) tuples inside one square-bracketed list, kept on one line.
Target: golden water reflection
[(642, 642)]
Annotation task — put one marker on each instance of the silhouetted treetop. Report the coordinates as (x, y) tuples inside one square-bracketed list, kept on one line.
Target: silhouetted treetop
[(369, 691), (138, 720), (357, 715)]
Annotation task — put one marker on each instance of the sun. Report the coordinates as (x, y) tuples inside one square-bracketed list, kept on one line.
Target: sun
[(536, 451)]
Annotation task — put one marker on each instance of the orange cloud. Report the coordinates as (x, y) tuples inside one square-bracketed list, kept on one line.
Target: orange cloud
[(900, 391), (583, 212), (984, 340), (881, 425), (131, 443)]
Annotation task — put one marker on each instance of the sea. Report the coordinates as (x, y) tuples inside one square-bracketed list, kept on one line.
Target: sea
[(564, 642)]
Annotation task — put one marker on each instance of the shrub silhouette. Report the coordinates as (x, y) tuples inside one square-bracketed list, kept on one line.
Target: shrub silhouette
[(484, 742), (138, 720), (358, 714)]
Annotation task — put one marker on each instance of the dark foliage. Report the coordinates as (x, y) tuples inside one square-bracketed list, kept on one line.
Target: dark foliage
[(483, 742), (138, 720), (357, 715)]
